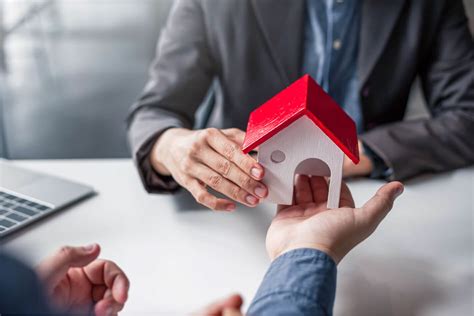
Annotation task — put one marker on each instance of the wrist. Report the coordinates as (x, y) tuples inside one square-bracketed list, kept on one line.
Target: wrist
[(379, 168), (159, 152), (363, 168), (365, 165), (314, 246)]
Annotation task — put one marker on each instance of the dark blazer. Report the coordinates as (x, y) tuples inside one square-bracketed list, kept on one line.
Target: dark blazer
[(254, 49)]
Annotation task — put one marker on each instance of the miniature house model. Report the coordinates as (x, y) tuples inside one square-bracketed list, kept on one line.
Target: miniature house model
[(301, 130)]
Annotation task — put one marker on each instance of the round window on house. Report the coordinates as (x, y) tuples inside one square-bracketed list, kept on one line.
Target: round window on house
[(277, 156)]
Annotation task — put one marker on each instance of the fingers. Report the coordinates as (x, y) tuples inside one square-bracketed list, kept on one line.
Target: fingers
[(199, 192), (320, 189), (105, 272), (213, 159), (219, 183), (235, 134), (232, 152), (232, 302), (230, 171), (315, 189), (54, 268), (346, 199), (303, 191), (374, 210), (107, 306), (120, 288), (111, 285), (98, 292)]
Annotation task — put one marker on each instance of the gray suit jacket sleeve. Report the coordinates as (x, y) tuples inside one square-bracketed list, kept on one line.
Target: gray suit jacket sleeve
[(445, 141), (180, 77)]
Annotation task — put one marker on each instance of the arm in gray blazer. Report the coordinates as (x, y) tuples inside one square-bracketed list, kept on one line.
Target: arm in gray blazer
[(446, 140), (181, 74)]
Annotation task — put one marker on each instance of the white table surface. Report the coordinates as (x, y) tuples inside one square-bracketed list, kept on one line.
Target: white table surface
[(179, 256)]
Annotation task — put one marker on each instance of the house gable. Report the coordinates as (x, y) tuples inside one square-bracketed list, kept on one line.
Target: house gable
[(302, 98)]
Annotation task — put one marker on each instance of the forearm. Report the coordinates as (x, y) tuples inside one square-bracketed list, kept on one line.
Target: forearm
[(145, 128), (180, 77), (299, 282), (445, 141), (160, 156), (20, 290), (437, 144)]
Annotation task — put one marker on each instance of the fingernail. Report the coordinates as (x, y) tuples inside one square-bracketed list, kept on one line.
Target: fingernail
[(89, 248), (399, 191), (261, 191), (256, 172), (230, 207), (252, 200)]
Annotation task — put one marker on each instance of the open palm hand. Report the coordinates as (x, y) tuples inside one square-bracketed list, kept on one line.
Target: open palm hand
[(310, 224)]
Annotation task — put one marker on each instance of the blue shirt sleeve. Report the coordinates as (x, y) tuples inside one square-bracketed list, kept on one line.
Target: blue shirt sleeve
[(299, 282), (20, 290)]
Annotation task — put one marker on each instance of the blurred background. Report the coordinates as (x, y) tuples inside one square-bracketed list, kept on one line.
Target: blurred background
[(70, 69)]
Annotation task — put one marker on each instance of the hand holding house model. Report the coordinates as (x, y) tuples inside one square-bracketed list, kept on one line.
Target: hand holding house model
[(301, 130)]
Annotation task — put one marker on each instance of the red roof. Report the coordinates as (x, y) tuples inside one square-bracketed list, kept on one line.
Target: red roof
[(303, 97)]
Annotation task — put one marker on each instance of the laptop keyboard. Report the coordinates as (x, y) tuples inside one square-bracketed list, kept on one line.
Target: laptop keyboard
[(15, 210)]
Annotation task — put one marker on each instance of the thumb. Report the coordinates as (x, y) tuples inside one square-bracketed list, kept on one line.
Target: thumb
[(375, 209), (55, 267)]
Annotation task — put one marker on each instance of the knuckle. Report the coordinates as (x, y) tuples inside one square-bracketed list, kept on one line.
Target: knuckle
[(223, 166), (233, 131), (370, 227), (229, 151), (185, 182), (245, 182), (373, 220), (235, 193), (215, 180), (208, 133), (108, 266), (212, 204), (212, 131), (202, 135), (193, 149), (201, 197)]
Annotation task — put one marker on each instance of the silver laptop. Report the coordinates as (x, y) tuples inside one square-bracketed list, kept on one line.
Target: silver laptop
[(27, 196)]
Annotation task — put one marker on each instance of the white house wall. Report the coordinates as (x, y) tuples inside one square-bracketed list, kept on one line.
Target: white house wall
[(300, 141)]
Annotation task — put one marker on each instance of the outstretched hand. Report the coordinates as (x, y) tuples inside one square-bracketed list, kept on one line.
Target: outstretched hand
[(309, 224), (210, 158), (79, 283)]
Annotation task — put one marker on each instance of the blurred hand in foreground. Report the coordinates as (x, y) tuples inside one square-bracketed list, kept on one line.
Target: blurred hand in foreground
[(77, 281)]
